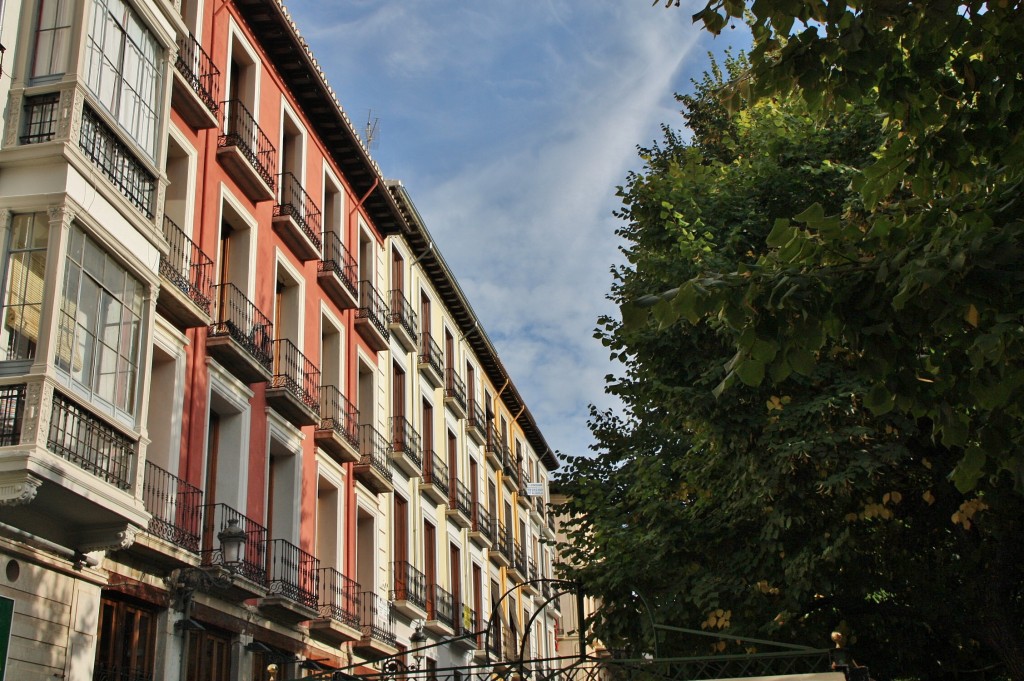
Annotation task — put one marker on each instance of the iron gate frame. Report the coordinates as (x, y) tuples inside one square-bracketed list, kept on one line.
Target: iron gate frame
[(790, 659)]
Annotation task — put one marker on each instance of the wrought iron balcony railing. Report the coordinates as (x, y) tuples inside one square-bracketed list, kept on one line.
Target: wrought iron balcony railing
[(199, 71), (440, 605), (300, 207), (435, 471), (405, 440), (338, 414), (187, 267), (481, 521), (372, 307), (292, 573), (89, 443), (410, 584), (518, 558), (377, 618), (295, 373), (337, 259), (430, 353), (504, 540), (40, 118), (402, 313), (493, 445), (12, 408), (454, 386), (217, 517), (238, 318), (475, 423), (176, 507), (459, 499), (117, 162), (338, 597), (373, 450), (244, 134)]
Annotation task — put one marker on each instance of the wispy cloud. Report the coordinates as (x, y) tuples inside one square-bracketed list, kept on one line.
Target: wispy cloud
[(511, 124)]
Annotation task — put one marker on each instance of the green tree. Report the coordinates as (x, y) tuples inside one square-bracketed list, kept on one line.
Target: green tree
[(757, 483)]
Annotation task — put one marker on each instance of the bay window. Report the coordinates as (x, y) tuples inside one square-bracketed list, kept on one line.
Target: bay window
[(124, 70), (23, 291), (99, 339)]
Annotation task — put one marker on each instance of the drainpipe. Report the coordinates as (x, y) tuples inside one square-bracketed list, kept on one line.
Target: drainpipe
[(77, 557)]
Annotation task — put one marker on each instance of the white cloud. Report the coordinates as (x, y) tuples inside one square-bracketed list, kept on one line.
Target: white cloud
[(516, 122)]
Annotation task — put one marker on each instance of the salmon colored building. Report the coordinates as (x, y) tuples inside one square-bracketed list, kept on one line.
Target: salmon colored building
[(247, 415)]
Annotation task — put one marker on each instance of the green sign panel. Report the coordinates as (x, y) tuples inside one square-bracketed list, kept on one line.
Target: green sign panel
[(6, 619)]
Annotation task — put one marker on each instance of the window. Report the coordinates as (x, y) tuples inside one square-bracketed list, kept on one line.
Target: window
[(127, 641), (209, 656), (53, 38), (26, 274), (124, 71), (100, 324)]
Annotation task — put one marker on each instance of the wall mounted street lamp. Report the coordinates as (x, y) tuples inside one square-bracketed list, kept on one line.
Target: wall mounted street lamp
[(417, 640), (232, 545), (394, 668), (182, 583)]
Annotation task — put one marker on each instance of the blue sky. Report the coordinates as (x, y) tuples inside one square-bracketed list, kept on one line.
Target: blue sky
[(511, 124)]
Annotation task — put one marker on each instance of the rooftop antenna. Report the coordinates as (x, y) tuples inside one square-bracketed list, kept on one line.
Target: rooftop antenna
[(371, 130)]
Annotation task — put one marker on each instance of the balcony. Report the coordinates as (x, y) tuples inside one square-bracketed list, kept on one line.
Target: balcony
[(337, 273), (440, 611), (372, 317), (196, 84), (517, 565), (297, 219), (405, 447), (292, 592), (410, 590), (338, 600), (240, 336), (434, 484), (66, 475), (402, 320), (186, 293), (117, 162), (524, 498), (501, 551), (494, 447), (460, 504), (177, 512), (374, 466), (455, 393), (377, 628), (338, 432), (530, 587), (294, 390), (246, 153), (476, 427), (481, 529), (510, 470), (250, 578), (430, 361), (549, 524)]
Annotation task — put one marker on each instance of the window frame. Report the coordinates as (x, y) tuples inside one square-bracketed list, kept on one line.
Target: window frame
[(69, 331), (141, 117)]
